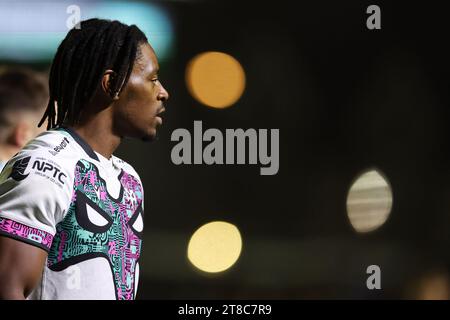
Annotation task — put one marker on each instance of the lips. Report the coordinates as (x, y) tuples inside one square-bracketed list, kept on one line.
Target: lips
[(158, 115), (161, 111)]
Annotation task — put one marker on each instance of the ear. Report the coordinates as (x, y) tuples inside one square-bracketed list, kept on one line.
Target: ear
[(107, 81), (21, 134)]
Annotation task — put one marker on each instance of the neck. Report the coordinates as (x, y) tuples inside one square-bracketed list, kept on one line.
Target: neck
[(97, 132)]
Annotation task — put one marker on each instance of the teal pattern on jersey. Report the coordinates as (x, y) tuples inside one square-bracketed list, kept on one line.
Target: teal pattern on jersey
[(111, 235)]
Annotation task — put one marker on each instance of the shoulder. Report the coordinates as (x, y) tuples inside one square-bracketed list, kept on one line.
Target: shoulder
[(126, 167), (130, 179), (42, 160), (36, 184), (52, 144)]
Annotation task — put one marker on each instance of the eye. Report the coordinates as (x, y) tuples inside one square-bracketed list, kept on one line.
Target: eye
[(154, 77)]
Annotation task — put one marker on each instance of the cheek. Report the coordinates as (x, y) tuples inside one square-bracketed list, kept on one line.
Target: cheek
[(139, 114), (134, 102), (138, 108), (142, 101)]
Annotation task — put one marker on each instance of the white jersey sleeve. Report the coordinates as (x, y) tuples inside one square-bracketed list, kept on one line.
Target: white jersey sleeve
[(35, 192)]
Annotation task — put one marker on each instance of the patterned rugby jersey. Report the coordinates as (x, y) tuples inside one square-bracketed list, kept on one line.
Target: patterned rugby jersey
[(86, 211)]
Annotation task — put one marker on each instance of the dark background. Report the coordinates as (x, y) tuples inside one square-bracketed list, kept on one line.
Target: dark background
[(345, 99)]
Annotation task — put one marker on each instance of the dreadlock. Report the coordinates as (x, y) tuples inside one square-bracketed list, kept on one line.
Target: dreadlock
[(80, 62)]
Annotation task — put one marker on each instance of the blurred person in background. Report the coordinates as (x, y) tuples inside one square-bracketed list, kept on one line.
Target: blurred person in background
[(23, 98)]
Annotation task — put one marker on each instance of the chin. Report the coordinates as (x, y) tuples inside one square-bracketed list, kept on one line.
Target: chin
[(149, 135), (148, 138)]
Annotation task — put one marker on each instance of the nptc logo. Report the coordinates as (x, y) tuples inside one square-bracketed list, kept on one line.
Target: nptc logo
[(19, 167), (45, 166)]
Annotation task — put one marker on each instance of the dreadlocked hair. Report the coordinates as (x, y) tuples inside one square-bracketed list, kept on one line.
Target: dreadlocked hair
[(80, 62)]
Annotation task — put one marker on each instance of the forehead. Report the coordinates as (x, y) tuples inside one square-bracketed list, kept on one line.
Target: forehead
[(146, 61)]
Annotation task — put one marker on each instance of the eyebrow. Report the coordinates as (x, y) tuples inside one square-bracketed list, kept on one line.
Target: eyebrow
[(154, 72)]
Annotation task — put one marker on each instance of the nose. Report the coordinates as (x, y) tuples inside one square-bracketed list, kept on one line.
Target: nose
[(163, 95)]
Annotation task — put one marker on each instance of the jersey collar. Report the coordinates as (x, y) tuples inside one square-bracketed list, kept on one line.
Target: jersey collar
[(83, 144)]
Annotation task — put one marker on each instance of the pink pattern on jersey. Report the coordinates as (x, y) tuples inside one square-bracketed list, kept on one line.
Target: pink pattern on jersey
[(21, 231)]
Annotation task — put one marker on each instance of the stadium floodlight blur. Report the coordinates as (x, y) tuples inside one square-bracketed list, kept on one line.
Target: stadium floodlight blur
[(32, 30)]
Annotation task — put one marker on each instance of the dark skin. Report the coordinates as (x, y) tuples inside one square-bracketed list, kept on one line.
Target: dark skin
[(135, 113)]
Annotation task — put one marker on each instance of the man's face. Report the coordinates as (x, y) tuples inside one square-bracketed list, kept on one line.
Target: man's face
[(137, 112)]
